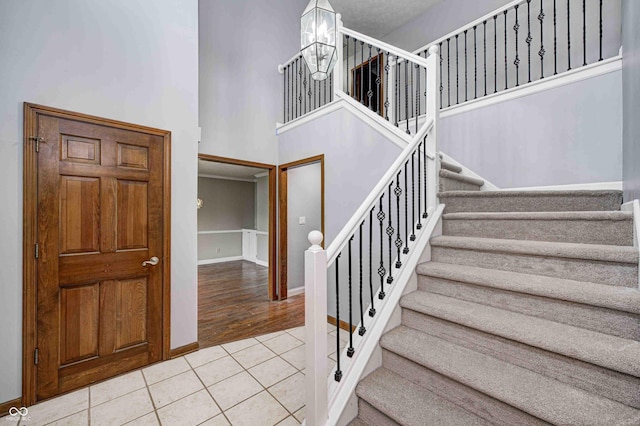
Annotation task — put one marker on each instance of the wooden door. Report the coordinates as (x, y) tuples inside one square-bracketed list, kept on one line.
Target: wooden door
[(99, 311)]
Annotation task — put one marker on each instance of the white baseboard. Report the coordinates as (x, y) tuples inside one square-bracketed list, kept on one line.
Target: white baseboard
[(596, 186), (262, 263), (219, 260), (295, 291)]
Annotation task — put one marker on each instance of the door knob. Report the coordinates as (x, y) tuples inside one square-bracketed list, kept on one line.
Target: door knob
[(153, 261)]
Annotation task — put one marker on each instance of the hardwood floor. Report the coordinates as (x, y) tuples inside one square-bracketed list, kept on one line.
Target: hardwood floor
[(233, 304)]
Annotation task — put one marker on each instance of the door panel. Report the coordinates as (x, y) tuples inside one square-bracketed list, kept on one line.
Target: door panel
[(99, 311)]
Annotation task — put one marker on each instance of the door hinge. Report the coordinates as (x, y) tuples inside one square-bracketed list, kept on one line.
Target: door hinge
[(37, 250), (38, 139), (35, 356)]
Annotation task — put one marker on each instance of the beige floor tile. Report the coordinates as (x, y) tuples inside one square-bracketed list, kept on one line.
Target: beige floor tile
[(191, 410), (203, 356), (174, 388), (253, 355), (299, 415), (218, 370), (234, 390), (150, 419), (290, 392), (296, 357), (261, 409), (77, 419), (272, 371), (269, 336), (60, 407), (239, 345), (282, 343), (344, 336), (122, 409), (165, 369), (289, 421), (113, 388), (219, 420), (297, 332)]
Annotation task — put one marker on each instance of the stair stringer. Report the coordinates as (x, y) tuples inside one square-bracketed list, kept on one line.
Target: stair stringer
[(488, 186), (343, 402)]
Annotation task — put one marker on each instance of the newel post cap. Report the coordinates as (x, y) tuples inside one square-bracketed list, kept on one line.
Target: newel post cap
[(434, 49), (315, 238)]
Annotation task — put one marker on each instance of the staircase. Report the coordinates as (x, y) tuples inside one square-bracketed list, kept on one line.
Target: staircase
[(528, 313)]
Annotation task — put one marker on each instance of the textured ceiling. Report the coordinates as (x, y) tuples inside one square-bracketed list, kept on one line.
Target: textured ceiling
[(377, 18), (227, 170)]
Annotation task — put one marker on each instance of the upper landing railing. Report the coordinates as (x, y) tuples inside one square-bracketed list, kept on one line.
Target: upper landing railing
[(517, 44)]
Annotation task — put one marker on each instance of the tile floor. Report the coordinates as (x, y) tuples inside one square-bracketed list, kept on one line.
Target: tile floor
[(256, 381)]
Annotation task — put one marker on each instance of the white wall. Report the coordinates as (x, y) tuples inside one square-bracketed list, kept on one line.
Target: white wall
[(568, 135), (129, 60), (304, 191), (631, 98), (241, 44)]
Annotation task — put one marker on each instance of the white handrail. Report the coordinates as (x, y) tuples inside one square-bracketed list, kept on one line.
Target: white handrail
[(470, 25), (395, 51), (342, 238), (281, 67)]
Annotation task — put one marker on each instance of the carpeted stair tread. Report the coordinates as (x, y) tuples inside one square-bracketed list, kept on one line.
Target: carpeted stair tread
[(530, 201), (596, 252), (450, 166), (605, 296), (561, 216), (358, 422), (460, 178), (410, 404), (540, 396), (607, 351)]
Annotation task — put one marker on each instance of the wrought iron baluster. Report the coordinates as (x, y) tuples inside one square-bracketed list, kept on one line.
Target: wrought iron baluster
[(424, 171), (457, 73), (410, 71), (465, 67), (495, 53), (584, 32), (362, 329), (304, 89), (398, 191), (309, 92), (348, 70), (529, 40), (378, 80), (314, 92), (284, 95), (568, 34), (362, 72), (406, 94), (600, 29), (370, 92), (397, 93), (338, 374), (297, 100), (541, 52), (516, 62), (413, 196), (355, 67), (350, 350), (405, 250), (425, 83), (419, 225), (390, 232), (325, 89), (372, 310), (386, 86), (441, 85), (331, 86), (555, 40), (381, 271), (506, 83), (448, 75), (484, 63), (417, 68), (475, 63)]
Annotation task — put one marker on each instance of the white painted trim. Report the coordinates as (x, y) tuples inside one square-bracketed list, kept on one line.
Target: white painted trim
[(262, 174), (316, 113), (295, 291), (547, 83), (262, 233), (488, 186), (226, 231), (225, 178), (353, 368), (262, 263), (596, 186), (634, 206), (219, 260)]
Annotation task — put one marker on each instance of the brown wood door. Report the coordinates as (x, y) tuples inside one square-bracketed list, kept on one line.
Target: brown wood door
[(100, 203)]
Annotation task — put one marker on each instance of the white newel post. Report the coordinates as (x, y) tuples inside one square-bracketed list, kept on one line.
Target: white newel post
[(315, 315), (433, 110), (339, 66)]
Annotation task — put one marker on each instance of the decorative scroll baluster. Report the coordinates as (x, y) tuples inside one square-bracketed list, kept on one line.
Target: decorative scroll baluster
[(297, 89), (381, 271), (390, 231), (413, 196), (313, 83), (406, 94), (495, 53), (441, 85), (386, 85), (457, 73), (338, 374), (348, 69), (600, 29), (405, 250), (325, 90), (475, 63), (584, 32), (419, 224), (362, 329), (568, 34), (448, 75), (529, 40), (466, 98), (555, 40), (506, 82), (304, 89), (370, 91), (541, 52), (362, 72), (484, 44), (309, 92), (350, 350), (516, 62), (398, 242), (378, 79), (372, 310)]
